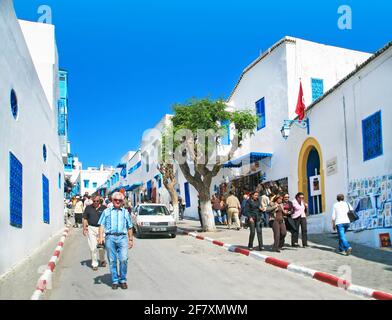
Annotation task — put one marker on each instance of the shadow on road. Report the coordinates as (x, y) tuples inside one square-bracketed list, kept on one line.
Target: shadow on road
[(105, 279), (86, 263)]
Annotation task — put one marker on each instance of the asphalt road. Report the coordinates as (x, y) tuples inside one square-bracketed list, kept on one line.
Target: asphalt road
[(183, 269)]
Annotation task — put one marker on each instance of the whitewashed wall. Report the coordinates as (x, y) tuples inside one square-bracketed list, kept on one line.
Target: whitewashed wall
[(36, 125), (367, 92)]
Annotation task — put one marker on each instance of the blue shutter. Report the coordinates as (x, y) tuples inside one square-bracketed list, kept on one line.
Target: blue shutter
[(225, 124), (45, 199), (317, 88), (260, 111), (372, 136), (16, 192), (187, 195), (60, 181)]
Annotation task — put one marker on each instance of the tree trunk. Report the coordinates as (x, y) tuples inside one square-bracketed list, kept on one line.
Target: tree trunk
[(176, 211), (174, 199), (206, 212)]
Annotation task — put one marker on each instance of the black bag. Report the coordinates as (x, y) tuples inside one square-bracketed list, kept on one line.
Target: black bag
[(352, 215)]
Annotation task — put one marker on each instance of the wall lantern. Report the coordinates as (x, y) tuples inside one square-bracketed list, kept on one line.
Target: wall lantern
[(287, 124)]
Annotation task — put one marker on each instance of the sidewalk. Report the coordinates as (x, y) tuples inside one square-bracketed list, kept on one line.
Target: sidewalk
[(21, 282), (369, 267)]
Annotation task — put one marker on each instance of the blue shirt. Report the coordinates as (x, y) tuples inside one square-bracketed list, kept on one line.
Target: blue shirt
[(115, 220)]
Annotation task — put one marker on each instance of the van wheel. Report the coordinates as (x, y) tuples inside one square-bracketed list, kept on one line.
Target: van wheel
[(173, 235)]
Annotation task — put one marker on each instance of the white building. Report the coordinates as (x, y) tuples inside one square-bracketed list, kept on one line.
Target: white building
[(269, 86), (91, 179), (350, 145), (31, 168)]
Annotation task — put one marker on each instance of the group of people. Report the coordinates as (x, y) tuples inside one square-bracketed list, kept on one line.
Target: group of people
[(107, 224), (257, 210), (277, 211)]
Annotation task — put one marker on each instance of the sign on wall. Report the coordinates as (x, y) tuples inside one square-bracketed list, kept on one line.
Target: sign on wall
[(315, 186), (332, 166)]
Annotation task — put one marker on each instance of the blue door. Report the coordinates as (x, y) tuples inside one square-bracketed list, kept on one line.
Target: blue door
[(313, 169), (187, 195), (149, 189)]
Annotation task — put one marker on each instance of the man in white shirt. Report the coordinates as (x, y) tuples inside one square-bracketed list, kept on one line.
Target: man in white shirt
[(341, 223)]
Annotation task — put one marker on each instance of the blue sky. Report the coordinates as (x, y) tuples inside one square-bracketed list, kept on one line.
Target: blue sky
[(130, 61)]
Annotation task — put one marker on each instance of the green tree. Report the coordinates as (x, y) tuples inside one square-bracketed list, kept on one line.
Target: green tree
[(197, 132)]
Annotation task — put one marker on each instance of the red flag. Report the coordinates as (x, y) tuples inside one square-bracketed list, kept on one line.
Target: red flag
[(300, 110)]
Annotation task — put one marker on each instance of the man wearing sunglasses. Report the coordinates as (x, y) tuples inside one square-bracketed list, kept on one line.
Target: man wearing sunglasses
[(91, 216), (117, 225)]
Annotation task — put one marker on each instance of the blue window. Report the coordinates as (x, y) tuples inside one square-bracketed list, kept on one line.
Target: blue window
[(16, 192), (187, 195), (86, 183), (14, 104), (45, 199), (95, 185), (260, 112), (44, 152), (317, 88), (60, 181), (225, 124), (372, 136)]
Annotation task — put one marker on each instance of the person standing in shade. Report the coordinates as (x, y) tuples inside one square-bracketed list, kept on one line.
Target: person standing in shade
[(223, 209), (181, 208), (78, 212), (255, 221), (117, 225), (233, 210), (341, 223), (91, 229), (299, 217), (265, 201), (244, 214), (288, 210), (215, 202)]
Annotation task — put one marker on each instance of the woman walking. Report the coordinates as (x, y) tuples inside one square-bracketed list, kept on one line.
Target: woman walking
[(299, 217), (341, 223), (278, 226), (255, 221)]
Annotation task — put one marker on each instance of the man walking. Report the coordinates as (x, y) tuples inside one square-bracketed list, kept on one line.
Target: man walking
[(78, 212), (91, 229), (117, 225), (233, 210), (341, 223)]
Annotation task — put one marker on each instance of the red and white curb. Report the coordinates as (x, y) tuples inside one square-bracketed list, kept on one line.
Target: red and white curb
[(306, 272), (46, 277)]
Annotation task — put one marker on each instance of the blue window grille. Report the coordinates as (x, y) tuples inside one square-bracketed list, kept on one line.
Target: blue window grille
[(317, 88), (16, 191), (44, 152), (372, 136), (14, 104), (60, 181), (187, 195), (45, 199), (260, 112), (86, 183), (95, 185), (225, 124)]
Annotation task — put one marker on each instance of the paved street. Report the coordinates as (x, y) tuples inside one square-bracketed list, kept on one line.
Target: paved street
[(181, 268)]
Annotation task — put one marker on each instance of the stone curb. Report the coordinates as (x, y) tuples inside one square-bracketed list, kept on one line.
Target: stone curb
[(306, 272), (46, 277)]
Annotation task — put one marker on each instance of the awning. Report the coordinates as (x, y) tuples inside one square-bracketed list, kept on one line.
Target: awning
[(247, 159), (133, 187)]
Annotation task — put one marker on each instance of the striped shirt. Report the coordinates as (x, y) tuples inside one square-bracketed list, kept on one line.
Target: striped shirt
[(116, 220)]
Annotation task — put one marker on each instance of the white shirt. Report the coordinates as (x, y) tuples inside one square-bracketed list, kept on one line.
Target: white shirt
[(339, 212)]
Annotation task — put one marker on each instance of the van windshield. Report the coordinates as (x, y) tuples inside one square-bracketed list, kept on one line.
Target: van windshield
[(154, 211)]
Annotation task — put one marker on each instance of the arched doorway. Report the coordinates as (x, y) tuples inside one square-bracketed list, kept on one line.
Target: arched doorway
[(310, 164)]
